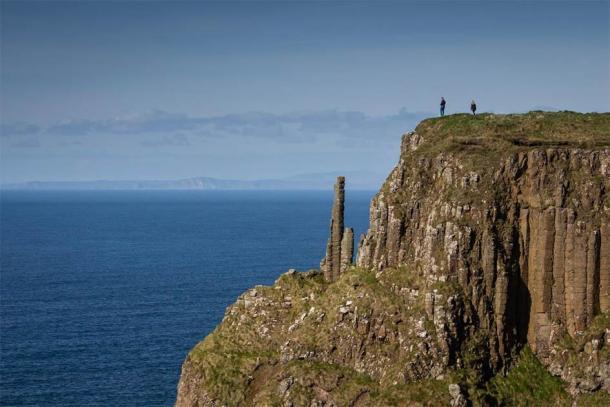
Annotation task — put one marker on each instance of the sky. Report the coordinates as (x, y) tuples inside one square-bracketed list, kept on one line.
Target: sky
[(251, 90)]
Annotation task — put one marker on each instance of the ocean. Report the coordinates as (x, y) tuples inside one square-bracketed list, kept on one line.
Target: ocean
[(103, 293)]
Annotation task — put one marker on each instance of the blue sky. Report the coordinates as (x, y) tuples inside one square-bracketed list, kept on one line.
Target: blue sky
[(134, 90)]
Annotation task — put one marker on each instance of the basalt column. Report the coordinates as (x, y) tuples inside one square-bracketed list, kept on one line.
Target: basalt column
[(340, 247), (347, 248)]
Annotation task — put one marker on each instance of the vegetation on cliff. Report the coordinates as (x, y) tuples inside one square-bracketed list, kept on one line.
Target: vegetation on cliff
[(305, 338), (506, 133), (353, 342)]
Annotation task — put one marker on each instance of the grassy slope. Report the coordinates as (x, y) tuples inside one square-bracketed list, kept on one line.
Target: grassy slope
[(528, 383), (232, 354), (242, 368)]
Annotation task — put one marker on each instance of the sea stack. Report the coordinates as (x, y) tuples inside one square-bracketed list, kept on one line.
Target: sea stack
[(340, 246)]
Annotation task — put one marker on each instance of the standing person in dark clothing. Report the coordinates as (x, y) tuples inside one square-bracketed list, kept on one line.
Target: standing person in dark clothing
[(473, 107), (443, 103)]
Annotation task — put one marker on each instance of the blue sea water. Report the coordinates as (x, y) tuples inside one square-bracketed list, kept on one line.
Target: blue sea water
[(103, 293)]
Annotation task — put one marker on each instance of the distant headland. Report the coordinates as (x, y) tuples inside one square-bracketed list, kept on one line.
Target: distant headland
[(359, 180)]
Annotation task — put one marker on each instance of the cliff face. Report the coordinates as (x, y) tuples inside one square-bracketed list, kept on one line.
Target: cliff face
[(527, 240), (490, 236)]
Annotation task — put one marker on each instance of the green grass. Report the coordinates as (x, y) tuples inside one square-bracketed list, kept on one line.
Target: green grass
[(598, 399), (528, 383), (487, 136)]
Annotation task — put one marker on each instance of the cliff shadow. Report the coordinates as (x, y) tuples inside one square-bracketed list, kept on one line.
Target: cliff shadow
[(522, 310), (521, 302)]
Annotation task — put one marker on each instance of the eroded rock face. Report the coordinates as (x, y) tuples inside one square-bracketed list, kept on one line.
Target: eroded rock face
[(526, 239), (305, 341)]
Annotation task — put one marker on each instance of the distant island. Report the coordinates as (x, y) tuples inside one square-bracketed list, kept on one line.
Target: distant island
[(359, 180)]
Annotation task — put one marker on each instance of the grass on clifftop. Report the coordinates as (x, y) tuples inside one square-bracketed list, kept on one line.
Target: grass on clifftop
[(487, 133)]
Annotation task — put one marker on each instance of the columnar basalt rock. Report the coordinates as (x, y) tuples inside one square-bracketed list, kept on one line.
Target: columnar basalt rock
[(347, 249), (340, 246), (527, 239), (604, 267)]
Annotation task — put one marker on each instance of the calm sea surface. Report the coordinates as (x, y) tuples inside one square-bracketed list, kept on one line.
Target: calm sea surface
[(104, 293)]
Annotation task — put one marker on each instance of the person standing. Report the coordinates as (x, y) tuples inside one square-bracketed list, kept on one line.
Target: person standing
[(443, 103), (473, 107)]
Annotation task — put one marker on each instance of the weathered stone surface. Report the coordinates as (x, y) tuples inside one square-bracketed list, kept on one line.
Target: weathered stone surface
[(457, 398), (347, 328), (531, 252), (604, 266), (347, 249)]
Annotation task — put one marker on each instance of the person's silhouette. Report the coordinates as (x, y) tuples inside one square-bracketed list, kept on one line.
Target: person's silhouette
[(473, 108), (443, 103)]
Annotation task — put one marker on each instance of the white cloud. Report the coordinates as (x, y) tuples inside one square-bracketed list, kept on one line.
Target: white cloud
[(161, 128)]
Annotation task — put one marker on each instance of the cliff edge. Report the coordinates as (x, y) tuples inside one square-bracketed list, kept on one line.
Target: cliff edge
[(484, 278)]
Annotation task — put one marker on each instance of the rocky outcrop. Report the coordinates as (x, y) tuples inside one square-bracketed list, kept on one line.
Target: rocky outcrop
[(525, 239), (340, 246), (355, 341), (532, 228), (489, 238)]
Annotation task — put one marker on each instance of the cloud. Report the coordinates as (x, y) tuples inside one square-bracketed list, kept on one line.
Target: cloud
[(178, 140), (26, 143), (153, 122), (18, 129), (75, 128), (173, 129), (312, 126)]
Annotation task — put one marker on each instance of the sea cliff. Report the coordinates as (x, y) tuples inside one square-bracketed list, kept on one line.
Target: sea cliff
[(484, 278)]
